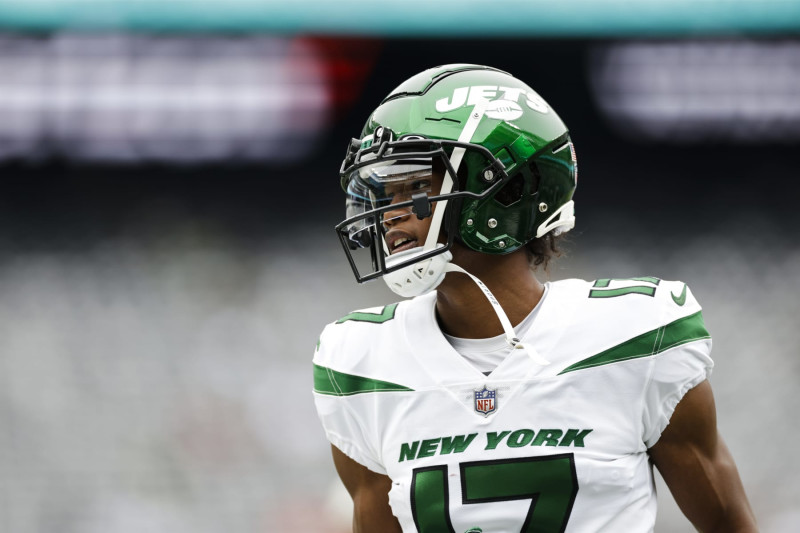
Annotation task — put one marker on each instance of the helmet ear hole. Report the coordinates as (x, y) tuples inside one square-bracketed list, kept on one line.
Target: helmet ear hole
[(512, 191)]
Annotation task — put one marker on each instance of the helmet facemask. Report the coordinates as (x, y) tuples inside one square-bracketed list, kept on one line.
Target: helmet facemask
[(390, 181)]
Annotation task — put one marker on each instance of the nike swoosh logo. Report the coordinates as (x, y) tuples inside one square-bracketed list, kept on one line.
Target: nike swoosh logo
[(680, 300)]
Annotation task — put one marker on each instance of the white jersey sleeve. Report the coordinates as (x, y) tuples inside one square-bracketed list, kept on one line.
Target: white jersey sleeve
[(683, 360), (347, 374), (342, 426)]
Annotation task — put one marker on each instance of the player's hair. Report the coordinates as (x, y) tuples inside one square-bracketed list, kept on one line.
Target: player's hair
[(542, 250)]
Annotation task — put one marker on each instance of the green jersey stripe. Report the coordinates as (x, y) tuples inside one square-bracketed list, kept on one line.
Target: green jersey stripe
[(333, 383), (386, 314), (611, 293), (684, 330)]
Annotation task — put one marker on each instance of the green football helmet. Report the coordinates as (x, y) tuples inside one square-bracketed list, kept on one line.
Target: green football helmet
[(507, 166)]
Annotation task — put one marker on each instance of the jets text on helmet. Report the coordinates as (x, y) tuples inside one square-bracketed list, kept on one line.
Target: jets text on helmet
[(486, 93)]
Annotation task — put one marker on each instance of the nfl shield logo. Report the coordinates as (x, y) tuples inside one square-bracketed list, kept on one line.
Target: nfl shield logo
[(485, 403)]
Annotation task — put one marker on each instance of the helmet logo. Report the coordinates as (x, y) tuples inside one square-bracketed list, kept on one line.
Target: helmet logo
[(503, 110), (503, 101)]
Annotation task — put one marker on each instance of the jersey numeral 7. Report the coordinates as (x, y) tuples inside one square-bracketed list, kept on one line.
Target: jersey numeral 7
[(550, 482)]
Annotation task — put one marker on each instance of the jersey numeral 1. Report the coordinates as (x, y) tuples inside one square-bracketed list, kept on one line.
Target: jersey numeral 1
[(550, 482), (600, 288)]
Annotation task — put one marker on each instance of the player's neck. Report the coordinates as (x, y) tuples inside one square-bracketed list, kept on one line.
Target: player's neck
[(462, 308)]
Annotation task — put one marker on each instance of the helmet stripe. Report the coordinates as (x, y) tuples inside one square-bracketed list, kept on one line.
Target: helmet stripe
[(455, 160)]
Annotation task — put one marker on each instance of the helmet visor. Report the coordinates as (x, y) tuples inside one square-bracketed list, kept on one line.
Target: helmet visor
[(389, 183)]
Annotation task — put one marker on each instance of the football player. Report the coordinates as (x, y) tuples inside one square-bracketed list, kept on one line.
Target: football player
[(490, 401)]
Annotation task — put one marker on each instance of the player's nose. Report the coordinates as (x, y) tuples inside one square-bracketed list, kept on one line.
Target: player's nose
[(395, 216)]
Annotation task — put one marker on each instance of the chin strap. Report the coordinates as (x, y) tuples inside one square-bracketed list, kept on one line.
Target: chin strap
[(511, 338), (417, 278)]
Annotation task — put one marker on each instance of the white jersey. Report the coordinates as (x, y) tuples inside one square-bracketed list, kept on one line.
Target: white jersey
[(530, 447)]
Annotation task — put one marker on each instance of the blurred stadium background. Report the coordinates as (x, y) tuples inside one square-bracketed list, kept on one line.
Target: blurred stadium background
[(167, 255)]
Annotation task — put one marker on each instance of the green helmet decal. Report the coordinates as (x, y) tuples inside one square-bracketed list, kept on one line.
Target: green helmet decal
[(518, 171)]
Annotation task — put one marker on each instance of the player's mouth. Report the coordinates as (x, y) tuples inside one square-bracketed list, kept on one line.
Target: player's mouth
[(400, 241)]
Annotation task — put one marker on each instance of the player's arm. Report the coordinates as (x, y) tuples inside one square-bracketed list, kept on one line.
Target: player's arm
[(370, 493), (698, 468)]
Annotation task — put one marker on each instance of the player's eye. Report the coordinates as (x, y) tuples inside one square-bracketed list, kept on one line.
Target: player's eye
[(421, 184)]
